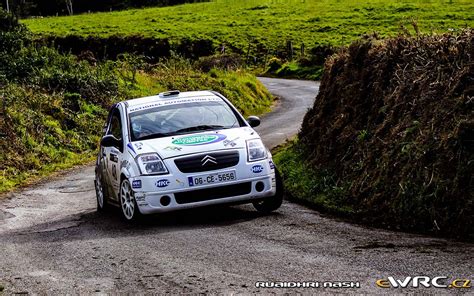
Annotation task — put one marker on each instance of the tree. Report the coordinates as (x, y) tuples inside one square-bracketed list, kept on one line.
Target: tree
[(68, 6)]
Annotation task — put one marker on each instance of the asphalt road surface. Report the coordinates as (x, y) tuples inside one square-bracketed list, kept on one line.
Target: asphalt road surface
[(296, 96), (53, 241)]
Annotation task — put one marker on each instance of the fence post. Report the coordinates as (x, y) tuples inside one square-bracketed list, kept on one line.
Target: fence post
[(248, 53), (289, 46), (265, 59)]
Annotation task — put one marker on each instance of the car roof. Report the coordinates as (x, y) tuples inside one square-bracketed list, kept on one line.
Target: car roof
[(173, 95)]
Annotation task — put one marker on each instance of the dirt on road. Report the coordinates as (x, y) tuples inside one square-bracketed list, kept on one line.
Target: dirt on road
[(53, 241)]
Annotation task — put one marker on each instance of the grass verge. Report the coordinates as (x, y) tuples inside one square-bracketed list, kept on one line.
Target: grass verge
[(294, 70), (51, 137), (302, 183)]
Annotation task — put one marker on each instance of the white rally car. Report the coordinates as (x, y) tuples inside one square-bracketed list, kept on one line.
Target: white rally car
[(183, 150)]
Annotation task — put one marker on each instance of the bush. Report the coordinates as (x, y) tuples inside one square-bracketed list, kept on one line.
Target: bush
[(393, 122), (12, 35), (224, 62), (111, 47), (52, 105)]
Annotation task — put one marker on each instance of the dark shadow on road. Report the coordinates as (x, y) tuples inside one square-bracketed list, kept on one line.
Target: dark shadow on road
[(109, 224)]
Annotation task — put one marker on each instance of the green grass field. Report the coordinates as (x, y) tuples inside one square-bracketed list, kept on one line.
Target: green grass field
[(271, 22)]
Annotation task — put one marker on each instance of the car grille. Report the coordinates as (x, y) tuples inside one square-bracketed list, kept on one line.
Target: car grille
[(207, 162), (213, 193)]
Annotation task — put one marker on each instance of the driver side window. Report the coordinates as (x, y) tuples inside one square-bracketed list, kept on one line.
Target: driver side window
[(115, 128)]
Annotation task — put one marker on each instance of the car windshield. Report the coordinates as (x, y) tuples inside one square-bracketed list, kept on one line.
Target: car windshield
[(182, 118)]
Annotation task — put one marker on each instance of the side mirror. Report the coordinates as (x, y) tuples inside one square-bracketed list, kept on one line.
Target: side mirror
[(253, 121), (110, 141)]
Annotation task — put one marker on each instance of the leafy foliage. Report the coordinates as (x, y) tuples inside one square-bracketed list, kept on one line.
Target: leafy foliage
[(53, 105), (394, 121), (318, 188)]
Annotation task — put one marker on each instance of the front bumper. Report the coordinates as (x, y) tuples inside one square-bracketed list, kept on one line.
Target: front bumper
[(178, 194)]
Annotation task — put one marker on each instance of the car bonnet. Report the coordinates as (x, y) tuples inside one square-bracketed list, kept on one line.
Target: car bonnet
[(174, 146)]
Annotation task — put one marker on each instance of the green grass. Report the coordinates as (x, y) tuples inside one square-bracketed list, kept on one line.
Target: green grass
[(296, 71), (241, 87), (44, 144), (236, 22), (12, 177), (305, 184)]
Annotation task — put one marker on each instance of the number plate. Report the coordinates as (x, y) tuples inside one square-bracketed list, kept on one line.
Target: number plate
[(212, 178)]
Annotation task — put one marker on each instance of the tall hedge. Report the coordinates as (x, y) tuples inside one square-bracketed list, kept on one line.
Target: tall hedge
[(394, 124)]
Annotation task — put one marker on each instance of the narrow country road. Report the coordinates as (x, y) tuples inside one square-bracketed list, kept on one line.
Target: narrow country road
[(285, 120), (52, 241)]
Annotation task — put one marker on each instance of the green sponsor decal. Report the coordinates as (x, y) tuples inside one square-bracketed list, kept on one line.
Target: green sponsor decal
[(198, 140)]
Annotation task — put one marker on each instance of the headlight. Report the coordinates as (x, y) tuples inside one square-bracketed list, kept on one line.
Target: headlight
[(151, 164), (256, 150)]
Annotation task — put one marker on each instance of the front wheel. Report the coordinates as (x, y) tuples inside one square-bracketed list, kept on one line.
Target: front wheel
[(272, 203), (128, 204), (100, 194)]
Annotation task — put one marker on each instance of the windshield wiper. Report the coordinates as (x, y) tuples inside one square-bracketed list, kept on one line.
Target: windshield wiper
[(199, 128), (181, 131), (153, 136)]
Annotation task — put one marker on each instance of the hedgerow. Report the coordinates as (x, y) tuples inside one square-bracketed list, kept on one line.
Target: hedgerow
[(393, 127)]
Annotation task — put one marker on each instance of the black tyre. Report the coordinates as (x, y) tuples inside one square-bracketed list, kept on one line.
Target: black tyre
[(100, 193), (128, 204), (272, 203)]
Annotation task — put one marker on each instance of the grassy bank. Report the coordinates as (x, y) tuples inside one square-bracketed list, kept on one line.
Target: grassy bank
[(53, 105), (389, 140), (315, 187), (270, 23), (46, 135)]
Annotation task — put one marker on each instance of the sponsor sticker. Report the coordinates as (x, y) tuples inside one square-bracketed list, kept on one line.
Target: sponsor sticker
[(172, 102), (140, 197), (272, 165), (124, 164), (139, 145), (257, 169), (129, 145), (162, 183), (197, 140), (230, 143), (137, 184), (114, 171), (113, 157), (180, 183), (173, 148)]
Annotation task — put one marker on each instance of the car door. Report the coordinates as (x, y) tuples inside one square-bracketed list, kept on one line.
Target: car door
[(102, 157), (114, 155)]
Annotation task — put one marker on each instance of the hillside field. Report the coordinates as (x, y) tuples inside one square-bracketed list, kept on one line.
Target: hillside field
[(271, 23)]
